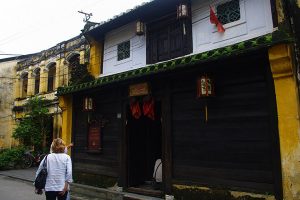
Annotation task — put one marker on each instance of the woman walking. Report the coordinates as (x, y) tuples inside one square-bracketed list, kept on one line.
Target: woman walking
[(59, 168)]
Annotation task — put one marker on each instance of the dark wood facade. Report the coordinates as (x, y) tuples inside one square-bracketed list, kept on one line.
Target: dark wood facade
[(237, 148)]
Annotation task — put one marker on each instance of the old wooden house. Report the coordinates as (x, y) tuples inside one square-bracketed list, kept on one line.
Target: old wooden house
[(208, 87)]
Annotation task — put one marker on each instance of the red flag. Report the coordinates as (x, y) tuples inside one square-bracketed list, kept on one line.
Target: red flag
[(215, 20)]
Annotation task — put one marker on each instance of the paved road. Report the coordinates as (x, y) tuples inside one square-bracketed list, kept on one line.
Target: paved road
[(15, 189)]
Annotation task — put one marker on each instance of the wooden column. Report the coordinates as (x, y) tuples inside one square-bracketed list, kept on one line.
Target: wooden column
[(167, 139)]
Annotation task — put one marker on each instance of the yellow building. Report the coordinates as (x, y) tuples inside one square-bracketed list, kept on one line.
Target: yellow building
[(6, 101), (42, 73)]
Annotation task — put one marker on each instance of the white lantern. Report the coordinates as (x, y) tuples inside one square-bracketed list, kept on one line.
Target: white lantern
[(139, 27), (182, 11), (88, 104)]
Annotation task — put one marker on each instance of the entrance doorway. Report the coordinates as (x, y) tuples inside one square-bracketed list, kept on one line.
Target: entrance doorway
[(144, 137)]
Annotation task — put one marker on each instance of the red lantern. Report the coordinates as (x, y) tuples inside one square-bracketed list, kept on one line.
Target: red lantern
[(205, 87)]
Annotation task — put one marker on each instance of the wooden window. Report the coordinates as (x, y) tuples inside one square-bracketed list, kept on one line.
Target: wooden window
[(168, 38), (51, 78), (37, 81), (229, 11), (124, 50)]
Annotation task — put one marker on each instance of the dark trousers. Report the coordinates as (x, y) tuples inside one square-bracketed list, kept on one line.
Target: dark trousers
[(51, 195)]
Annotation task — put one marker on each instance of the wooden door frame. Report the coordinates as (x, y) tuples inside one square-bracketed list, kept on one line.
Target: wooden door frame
[(166, 142), (167, 138)]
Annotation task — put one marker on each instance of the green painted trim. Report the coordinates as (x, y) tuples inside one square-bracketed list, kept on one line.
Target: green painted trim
[(235, 49)]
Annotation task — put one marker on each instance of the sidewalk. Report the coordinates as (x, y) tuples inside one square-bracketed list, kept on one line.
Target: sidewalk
[(22, 174), (79, 191)]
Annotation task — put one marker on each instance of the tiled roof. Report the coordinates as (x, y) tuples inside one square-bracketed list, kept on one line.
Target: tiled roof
[(238, 48)]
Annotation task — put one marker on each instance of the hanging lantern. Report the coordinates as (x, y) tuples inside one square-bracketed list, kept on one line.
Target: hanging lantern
[(182, 11), (88, 104), (139, 28), (205, 87)]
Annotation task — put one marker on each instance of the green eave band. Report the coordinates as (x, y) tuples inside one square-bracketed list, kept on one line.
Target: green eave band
[(238, 48)]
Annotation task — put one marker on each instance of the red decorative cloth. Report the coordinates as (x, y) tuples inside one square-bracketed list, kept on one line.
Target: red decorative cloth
[(135, 109), (215, 20), (148, 108)]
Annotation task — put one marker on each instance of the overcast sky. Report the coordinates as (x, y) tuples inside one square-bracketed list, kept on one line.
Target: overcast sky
[(30, 26)]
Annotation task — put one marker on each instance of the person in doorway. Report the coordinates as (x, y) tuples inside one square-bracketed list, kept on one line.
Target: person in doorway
[(59, 168), (157, 174)]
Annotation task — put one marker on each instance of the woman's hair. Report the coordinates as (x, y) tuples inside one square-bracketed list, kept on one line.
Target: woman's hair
[(58, 146)]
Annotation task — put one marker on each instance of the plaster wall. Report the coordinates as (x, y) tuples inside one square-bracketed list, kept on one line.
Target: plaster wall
[(65, 104), (255, 20), (6, 103), (95, 58), (137, 57), (288, 119)]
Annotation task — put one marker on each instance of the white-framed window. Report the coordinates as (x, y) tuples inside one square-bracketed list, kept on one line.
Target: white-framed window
[(229, 11), (123, 50)]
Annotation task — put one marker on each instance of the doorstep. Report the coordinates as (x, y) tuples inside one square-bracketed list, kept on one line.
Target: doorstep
[(86, 192)]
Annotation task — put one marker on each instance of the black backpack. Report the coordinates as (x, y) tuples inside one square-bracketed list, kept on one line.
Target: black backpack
[(40, 180)]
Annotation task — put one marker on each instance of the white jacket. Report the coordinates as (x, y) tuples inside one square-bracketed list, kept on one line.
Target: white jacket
[(59, 168)]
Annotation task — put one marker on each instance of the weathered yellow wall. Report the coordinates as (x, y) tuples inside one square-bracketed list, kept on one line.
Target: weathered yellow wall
[(6, 103), (288, 119), (65, 103), (17, 88), (280, 13), (95, 58)]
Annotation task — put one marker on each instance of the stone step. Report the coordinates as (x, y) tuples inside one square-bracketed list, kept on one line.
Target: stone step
[(85, 192)]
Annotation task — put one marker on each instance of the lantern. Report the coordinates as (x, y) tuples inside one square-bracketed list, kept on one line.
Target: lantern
[(139, 28), (205, 87), (88, 104), (182, 11)]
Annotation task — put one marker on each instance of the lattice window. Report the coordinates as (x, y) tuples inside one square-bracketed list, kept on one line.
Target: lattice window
[(229, 11), (124, 50)]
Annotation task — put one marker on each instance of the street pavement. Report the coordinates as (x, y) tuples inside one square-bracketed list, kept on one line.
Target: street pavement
[(18, 185), (17, 189), (22, 174)]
